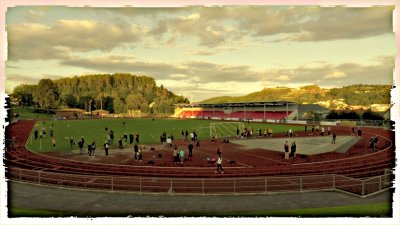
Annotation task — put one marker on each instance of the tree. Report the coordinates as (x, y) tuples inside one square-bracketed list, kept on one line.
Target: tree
[(119, 105), (23, 94), (69, 100), (369, 115), (137, 102), (333, 115), (46, 94), (108, 104)]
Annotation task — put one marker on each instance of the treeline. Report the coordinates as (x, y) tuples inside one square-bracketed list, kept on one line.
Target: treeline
[(116, 93), (353, 115), (360, 94)]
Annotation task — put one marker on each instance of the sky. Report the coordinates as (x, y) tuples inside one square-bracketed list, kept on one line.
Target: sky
[(202, 52)]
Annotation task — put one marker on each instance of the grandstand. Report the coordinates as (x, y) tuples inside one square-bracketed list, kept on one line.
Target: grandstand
[(245, 111)]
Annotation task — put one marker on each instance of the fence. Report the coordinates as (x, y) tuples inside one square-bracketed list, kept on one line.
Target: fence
[(361, 187)]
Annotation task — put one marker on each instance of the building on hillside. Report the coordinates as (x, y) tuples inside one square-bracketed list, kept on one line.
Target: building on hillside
[(311, 111), (100, 113), (380, 107), (70, 113)]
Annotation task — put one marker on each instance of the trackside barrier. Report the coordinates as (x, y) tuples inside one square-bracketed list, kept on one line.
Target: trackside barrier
[(361, 187)]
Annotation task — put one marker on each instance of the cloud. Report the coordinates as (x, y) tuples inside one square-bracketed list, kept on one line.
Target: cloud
[(201, 52), (283, 78), (201, 23), (196, 92), (338, 23), (34, 15), (211, 79), (178, 76), (218, 26), (13, 80), (381, 72), (127, 64), (197, 71), (335, 75), (38, 41)]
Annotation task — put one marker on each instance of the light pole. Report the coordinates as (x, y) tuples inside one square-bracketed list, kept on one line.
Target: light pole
[(90, 107)]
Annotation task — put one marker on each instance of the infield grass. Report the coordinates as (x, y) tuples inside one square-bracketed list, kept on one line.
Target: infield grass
[(149, 131)]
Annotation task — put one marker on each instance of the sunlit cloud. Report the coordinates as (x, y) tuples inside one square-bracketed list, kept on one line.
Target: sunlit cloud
[(211, 51)]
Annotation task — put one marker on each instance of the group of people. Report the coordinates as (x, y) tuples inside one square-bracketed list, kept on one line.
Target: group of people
[(316, 129), (193, 135), (248, 133), (292, 152), (179, 155), (353, 132)]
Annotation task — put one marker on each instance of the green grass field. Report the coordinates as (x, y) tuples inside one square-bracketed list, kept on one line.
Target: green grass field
[(149, 131), (28, 113), (367, 210)]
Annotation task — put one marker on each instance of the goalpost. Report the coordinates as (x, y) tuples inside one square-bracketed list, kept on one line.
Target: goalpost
[(225, 129)]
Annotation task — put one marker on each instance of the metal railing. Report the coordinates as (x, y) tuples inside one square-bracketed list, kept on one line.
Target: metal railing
[(256, 185)]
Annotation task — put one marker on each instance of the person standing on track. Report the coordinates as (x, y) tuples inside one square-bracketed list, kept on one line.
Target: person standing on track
[(286, 146), (140, 153), (80, 145), (93, 148), (136, 150), (106, 147), (182, 155), (190, 148), (120, 143), (293, 150), (176, 154), (219, 164), (333, 138)]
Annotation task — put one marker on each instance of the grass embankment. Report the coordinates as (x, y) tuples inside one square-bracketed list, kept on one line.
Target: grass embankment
[(28, 113), (366, 210)]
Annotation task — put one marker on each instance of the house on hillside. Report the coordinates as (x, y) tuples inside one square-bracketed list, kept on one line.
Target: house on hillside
[(70, 113), (100, 113), (310, 111)]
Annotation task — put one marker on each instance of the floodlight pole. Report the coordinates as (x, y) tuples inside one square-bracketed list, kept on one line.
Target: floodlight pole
[(264, 111), (287, 110), (245, 112), (90, 107)]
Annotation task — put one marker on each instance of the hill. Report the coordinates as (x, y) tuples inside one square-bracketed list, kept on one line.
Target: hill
[(114, 92), (360, 95)]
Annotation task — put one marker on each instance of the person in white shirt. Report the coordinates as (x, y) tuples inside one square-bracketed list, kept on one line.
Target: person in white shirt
[(219, 164)]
